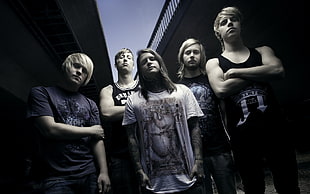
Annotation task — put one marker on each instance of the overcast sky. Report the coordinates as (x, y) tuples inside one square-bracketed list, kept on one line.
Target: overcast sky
[(128, 24)]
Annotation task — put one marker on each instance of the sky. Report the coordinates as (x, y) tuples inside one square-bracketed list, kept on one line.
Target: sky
[(128, 24)]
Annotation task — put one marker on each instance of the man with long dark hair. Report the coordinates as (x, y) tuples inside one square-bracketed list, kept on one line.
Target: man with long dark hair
[(164, 136)]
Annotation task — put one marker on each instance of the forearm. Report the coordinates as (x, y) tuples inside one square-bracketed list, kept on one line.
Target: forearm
[(133, 146), (113, 113), (100, 154), (258, 73), (195, 137), (229, 87), (103, 179), (63, 131), (50, 129)]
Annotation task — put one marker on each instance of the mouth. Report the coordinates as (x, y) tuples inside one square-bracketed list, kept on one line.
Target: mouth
[(77, 78), (231, 29), (151, 67)]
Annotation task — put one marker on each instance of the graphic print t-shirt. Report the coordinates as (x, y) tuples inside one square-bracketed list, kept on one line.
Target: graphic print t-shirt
[(166, 151), (214, 137), (65, 157)]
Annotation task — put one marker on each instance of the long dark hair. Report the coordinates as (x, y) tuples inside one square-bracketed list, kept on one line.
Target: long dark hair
[(164, 77)]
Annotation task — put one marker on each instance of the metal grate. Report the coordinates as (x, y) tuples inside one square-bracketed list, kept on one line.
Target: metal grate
[(46, 21)]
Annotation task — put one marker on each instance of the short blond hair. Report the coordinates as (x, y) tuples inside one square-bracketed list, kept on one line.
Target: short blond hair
[(121, 52), (226, 11), (82, 59)]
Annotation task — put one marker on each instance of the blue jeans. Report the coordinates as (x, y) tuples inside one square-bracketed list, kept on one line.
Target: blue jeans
[(123, 177), (83, 185), (221, 168)]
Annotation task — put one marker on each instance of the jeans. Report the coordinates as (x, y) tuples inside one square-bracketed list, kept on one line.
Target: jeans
[(83, 185), (123, 177), (221, 168)]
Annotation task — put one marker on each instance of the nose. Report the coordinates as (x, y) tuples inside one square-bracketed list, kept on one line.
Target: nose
[(79, 70), (229, 23), (148, 61)]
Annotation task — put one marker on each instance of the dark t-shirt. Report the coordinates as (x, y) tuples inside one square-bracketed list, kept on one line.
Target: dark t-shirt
[(214, 138), (64, 158)]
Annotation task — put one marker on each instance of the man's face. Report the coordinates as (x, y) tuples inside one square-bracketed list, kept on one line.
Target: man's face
[(125, 62), (191, 56), (77, 73), (229, 26), (149, 66)]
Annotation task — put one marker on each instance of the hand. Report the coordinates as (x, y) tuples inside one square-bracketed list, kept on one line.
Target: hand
[(143, 178), (98, 131), (229, 74), (198, 171), (104, 184)]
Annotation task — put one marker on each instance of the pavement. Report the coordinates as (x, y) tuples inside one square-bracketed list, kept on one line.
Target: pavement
[(303, 160)]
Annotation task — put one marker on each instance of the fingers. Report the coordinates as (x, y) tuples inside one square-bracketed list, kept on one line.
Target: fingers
[(100, 187), (99, 131), (107, 188)]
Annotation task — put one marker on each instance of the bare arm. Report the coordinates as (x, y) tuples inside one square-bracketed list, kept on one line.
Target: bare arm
[(50, 129), (135, 154), (197, 148), (107, 108), (222, 87), (271, 69), (104, 183)]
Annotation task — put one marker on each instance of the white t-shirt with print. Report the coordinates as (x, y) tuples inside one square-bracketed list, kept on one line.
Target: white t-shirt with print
[(166, 151)]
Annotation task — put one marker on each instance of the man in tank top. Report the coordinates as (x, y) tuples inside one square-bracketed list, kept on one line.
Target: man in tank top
[(240, 76), (112, 105)]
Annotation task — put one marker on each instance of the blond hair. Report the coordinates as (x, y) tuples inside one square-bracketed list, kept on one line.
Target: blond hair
[(187, 43), (82, 59), (227, 11)]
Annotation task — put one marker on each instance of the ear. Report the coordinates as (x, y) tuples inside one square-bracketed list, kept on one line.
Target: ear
[(215, 30)]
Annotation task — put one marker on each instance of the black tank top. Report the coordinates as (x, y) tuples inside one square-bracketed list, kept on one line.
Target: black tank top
[(117, 136), (251, 101)]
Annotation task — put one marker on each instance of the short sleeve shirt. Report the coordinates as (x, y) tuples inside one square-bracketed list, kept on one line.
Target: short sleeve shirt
[(65, 158), (164, 137)]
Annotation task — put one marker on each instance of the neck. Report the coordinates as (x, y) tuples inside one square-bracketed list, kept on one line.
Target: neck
[(234, 45), (69, 86), (189, 73), (125, 81), (155, 86)]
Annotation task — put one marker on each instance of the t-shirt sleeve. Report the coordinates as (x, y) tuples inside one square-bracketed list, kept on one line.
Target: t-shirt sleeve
[(95, 115), (38, 103), (192, 107)]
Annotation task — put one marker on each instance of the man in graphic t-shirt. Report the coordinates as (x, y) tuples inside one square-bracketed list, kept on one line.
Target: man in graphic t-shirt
[(163, 132)]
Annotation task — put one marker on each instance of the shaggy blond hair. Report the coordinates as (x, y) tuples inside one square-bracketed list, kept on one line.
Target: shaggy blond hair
[(82, 59)]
